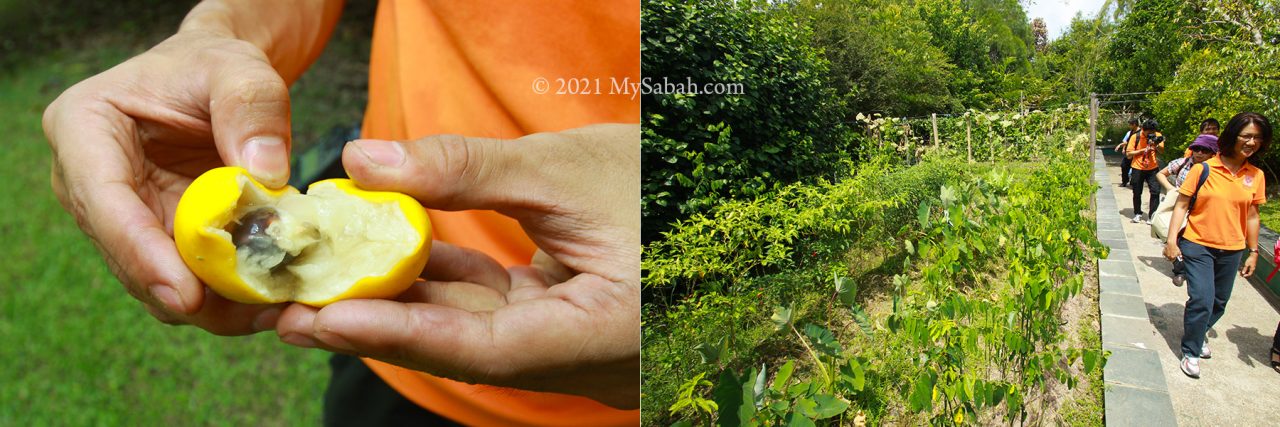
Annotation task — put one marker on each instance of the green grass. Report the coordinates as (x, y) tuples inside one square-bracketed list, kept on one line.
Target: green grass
[(77, 349)]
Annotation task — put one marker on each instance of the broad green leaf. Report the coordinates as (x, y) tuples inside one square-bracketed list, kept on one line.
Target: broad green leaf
[(857, 376), (728, 397), (948, 196), (807, 407), (682, 423), (795, 419), (757, 390), (846, 290), (800, 389), (713, 351), (747, 411), (860, 317), (784, 374), (781, 318), (922, 214), (921, 398), (822, 339), (1090, 360), (829, 406)]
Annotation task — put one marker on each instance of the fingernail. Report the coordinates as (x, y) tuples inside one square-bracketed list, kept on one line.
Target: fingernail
[(266, 320), (334, 340), (385, 153), (267, 160), (169, 297), (299, 340)]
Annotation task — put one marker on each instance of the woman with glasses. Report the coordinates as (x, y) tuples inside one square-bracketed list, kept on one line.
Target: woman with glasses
[(1221, 229), (1171, 177)]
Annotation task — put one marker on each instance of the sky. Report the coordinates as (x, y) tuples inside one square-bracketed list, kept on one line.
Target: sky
[(1057, 14)]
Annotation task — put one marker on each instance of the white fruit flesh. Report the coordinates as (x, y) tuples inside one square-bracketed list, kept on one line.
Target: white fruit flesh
[(333, 239)]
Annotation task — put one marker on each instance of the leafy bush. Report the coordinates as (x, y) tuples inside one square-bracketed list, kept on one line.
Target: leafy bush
[(1235, 72), (1004, 245), (700, 149)]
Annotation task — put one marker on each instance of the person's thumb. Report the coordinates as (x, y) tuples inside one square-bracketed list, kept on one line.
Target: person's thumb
[(448, 172), (249, 111)]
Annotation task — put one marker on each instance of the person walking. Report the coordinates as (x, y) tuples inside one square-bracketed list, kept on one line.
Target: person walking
[(1222, 227), (1209, 126), (1171, 177), (1275, 349), (1143, 149), (1121, 148)]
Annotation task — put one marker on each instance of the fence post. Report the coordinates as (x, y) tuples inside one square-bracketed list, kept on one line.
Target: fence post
[(1093, 124), (968, 138), (934, 117), (1093, 142)]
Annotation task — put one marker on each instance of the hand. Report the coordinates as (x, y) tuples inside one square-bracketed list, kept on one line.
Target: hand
[(568, 323), (1171, 251), (1250, 263), (126, 144)]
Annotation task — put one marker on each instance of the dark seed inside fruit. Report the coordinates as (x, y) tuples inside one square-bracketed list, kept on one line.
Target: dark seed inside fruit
[(250, 234)]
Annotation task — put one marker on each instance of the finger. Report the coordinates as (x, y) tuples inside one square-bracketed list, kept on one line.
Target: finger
[(461, 295), (534, 344), (448, 172), (553, 271), (527, 283), (249, 112), (296, 325), (450, 263), (221, 316), (99, 179)]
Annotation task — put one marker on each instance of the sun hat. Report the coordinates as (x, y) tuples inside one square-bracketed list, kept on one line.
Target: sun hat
[(1206, 141)]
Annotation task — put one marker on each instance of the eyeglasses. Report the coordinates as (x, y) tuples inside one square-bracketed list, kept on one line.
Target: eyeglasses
[(1247, 138), (1202, 150)]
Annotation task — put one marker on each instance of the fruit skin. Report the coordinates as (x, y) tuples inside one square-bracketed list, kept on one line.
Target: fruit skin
[(212, 198)]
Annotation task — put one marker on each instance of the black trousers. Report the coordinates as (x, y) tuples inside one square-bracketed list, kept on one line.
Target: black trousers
[(1124, 170), (358, 397), (1275, 340), (1146, 179)]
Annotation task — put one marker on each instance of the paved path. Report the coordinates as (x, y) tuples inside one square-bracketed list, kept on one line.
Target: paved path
[(1142, 326)]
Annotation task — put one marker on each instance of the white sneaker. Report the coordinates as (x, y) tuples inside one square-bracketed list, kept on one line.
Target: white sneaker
[(1205, 353), (1191, 366), (1137, 218)]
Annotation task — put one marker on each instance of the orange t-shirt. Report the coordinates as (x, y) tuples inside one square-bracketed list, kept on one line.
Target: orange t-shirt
[(1222, 208), (1146, 161), (472, 68)]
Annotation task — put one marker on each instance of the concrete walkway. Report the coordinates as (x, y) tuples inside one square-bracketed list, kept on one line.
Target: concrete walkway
[(1142, 327)]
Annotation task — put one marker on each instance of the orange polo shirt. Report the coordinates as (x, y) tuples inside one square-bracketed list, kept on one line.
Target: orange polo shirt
[(471, 68), (1146, 161), (1222, 207)]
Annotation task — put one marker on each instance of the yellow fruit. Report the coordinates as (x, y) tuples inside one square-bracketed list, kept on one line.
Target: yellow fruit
[(257, 245)]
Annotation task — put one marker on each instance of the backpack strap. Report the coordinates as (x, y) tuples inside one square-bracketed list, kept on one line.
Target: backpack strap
[(1204, 176)]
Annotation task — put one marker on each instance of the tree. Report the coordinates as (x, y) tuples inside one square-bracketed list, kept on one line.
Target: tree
[(1040, 33), (1233, 71), (881, 54), (989, 42)]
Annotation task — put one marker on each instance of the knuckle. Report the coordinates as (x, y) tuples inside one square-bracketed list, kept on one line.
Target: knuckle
[(259, 89), (461, 161)]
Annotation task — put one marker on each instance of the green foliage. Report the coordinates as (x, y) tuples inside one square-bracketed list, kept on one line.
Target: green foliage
[(988, 41), (881, 54), (1234, 72), (700, 149), (988, 261), (1074, 64), (1148, 46)]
